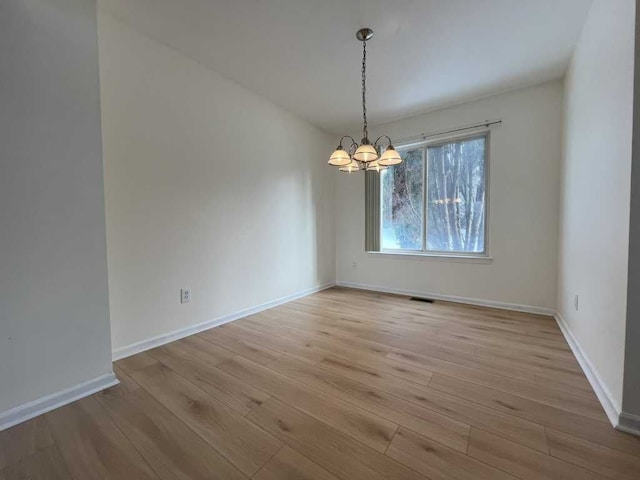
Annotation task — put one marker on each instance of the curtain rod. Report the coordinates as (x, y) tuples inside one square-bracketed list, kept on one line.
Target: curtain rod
[(424, 136)]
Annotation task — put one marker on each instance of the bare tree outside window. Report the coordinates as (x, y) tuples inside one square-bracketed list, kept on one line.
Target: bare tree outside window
[(453, 188), (402, 203)]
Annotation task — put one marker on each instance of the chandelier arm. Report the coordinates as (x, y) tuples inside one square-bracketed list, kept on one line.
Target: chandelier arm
[(353, 142), (375, 144)]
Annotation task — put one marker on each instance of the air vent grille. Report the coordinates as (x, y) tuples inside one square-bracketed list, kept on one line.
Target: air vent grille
[(419, 299)]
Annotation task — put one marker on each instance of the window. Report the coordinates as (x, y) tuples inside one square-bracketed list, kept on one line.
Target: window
[(435, 200)]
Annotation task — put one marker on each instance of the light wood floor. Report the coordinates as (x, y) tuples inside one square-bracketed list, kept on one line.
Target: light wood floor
[(342, 384)]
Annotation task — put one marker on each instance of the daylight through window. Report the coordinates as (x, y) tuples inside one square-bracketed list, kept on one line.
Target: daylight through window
[(435, 201)]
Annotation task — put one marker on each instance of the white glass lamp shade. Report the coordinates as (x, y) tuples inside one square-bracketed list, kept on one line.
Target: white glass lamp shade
[(375, 166), (352, 167), (390, 157), (340, 158), (366, 153)]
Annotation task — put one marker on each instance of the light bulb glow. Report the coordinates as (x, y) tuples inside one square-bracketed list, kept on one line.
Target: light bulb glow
[(340, 157), (352, 167), (366, 153), (390, 157), (375, 166)]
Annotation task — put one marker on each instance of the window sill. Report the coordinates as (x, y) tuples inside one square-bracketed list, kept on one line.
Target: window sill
[(481, 259)]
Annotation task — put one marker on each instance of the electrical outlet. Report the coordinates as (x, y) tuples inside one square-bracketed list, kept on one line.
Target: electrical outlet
[(185, 295), (576, 301), (355, 265)]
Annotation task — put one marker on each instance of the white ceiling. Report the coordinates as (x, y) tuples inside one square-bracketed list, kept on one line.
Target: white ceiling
[(303, 55)]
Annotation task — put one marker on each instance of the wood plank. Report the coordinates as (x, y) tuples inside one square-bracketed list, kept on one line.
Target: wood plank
[(560, 398), (289, 464), (362, 373), (386, 336), (482, 332), (605, 461), (493, 367), (596, 431), (523, 462), (514, 428), (135, 362), (363, 354), (517, 405), (273, 342), (332, 450), (92, 446), (472, 329), (171, 448), (252, 351), (21, 441), (461, 331), (269, 326), (126, 382), (237, 395), (434, 316), (536, 349), (409, 346), (574, 384), (446, 429), (207, 352), (45, 464), (241, 442), (539, 361), (345, 417), (459, 370), (438, 462)]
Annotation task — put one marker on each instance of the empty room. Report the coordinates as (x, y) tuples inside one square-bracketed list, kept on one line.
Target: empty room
[(319, 239)]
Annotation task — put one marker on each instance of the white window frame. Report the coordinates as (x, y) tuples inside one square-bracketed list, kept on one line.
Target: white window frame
[(474, 257)]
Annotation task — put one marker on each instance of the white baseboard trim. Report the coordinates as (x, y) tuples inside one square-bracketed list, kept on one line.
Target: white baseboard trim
[(29, 410), (451, 298), (611, 407), (629, 423), (150, 343)]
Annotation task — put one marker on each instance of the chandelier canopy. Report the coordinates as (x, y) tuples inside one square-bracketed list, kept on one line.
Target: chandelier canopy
[(364, 156)]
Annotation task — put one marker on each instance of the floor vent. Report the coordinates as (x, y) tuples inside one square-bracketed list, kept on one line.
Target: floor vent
[(425, 300)]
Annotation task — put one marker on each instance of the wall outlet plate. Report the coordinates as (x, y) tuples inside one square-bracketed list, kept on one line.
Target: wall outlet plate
[(185, 295)]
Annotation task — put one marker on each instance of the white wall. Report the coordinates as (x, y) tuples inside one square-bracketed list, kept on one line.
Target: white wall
[(54, 317), (523, 218), (208, 186), (594, 228), (631, 387)]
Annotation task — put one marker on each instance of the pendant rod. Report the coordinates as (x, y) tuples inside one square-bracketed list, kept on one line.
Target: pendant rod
[(365, 132)]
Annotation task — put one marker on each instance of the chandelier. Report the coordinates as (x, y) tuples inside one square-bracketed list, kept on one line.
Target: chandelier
[(365, 156)]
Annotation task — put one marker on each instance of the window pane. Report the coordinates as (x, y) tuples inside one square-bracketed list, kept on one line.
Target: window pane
[(456, 196), (402, 192)]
